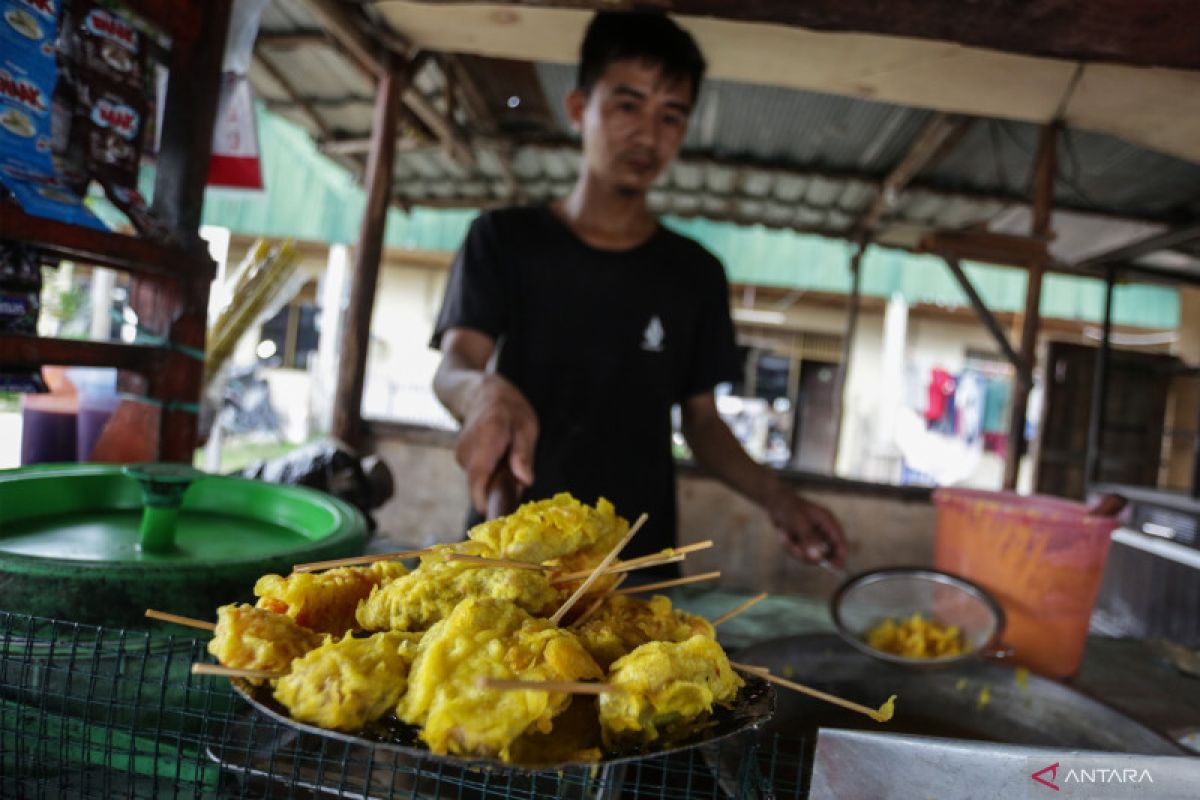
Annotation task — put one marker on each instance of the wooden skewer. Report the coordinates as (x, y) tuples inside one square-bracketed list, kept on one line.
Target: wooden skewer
[(178, 620), (356, 560), (739, 608), (495, 562), (650, 587), (597, 572), (599, 601), (567, 687), (808, 690), (234, 672), (624, 566), (652, 560)]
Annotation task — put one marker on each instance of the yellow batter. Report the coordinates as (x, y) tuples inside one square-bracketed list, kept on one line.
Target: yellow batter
[(666, 688), (623, 623), (324, 601), (489, 638), (346, 683), (254, 638), (429, 593)]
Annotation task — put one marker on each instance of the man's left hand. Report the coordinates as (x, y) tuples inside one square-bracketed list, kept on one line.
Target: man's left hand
[(811, 531)]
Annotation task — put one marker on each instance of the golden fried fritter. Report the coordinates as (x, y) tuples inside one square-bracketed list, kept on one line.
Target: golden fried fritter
[(489, 638), (551, 529), (346, 683), (429, 593), (325, 601), (666, 688), (254, 638), (624, 623)]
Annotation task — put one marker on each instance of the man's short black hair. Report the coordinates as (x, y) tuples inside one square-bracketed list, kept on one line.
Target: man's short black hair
[(646, 35)]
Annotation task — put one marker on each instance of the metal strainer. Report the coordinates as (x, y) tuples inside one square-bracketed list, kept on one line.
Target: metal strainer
[(865, 600)]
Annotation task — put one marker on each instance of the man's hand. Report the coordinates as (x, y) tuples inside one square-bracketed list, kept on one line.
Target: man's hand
[(499, 423), (811, 531)]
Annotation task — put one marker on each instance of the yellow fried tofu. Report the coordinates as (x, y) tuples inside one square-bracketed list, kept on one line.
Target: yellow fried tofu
[(665, 689), (254, 638), (624, 623), (916, 637), (484, 637), (324, 601), (348, 682), (551, 529), (429, 593)]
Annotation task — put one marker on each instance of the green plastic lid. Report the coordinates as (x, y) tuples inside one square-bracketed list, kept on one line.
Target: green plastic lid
[(102, 543)]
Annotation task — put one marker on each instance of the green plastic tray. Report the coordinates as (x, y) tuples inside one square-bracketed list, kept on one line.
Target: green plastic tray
[(69, 542)]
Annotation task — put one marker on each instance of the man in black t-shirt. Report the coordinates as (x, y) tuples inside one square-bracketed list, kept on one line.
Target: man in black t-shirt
[(599, 319)]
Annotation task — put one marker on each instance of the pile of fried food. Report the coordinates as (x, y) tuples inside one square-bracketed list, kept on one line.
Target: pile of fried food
[(916, 637), (345, 647)]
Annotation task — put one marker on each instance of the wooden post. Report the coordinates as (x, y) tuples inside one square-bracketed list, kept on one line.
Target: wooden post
[(847, 347), (179, 309), (1095, 440), (352, 364), (1043, 201)]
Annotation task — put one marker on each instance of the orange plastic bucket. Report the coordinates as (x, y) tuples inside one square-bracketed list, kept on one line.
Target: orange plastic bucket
[(1042, 558)]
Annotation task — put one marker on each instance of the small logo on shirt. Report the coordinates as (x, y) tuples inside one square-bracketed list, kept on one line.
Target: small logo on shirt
[(652, 337)]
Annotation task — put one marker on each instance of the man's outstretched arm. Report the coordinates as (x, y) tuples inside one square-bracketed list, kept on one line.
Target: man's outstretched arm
[(497, 420), (811, 530)]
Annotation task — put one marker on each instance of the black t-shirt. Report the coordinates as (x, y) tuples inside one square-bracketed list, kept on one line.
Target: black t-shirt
[(602, 344)]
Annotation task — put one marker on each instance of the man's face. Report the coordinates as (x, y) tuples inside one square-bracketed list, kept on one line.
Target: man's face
[(633, 122)]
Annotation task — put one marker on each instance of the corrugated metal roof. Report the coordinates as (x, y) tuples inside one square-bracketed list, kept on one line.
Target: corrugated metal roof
[(756, 154), (309, 197)]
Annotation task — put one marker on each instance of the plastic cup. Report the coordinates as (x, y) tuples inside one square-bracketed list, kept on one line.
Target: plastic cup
[(1041, 557)]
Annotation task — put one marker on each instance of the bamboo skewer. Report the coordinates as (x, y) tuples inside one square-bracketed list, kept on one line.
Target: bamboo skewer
[(624, 566), (596, 573), (739, 608), (652, 560), (507, 563), (650, 587), (356, 560), (765, 673), (599, 601), (234, 672), (567, 687), (178, 620)]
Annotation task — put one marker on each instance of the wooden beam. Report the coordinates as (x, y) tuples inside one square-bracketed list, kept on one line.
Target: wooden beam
[(377, 60), (1044, 170), (853, 305), (994, 248), (931, 144), (290, 40), (352, 364), (285, 85), (985, 316), (1160, 33), (364, 52), (1144, 247)]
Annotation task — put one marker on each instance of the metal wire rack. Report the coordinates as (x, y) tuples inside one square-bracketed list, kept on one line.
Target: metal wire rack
[(106, 712)]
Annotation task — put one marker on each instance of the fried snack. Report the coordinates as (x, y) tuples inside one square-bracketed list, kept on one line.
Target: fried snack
[(255, 638), (624, 623), (428, 594), (484, 637), (346, 683), (553, 529), (916, 637), (324, 601), (667, 688)]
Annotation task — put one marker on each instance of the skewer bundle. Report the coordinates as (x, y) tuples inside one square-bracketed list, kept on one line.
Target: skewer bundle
[(445, 646)]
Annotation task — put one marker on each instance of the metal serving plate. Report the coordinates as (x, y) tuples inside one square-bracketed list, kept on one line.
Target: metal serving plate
[(752, 708)]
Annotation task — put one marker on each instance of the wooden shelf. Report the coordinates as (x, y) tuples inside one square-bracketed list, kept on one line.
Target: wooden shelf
[(17, 352), (105, 249)]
